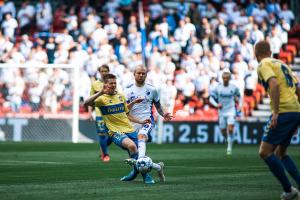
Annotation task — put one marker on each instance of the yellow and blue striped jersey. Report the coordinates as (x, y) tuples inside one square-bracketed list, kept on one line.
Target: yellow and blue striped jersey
[(96, 86), (287, 82), (113, 109)]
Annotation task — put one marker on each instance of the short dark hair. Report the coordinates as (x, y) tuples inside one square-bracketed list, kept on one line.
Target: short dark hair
[(106, 77), (103, 66), (262, 48)]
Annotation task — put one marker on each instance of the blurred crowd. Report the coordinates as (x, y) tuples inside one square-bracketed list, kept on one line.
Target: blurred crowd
[(188, 45)]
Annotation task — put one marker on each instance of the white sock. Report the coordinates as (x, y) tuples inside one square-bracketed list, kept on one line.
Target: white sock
[(157, 167), (230, 141), (141, 148)]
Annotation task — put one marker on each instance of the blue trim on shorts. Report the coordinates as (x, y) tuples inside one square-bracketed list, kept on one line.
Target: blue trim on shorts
[(287, 124), (118, 138)]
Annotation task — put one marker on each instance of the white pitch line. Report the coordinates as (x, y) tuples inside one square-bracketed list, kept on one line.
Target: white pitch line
[(3, 162), (199, 167)]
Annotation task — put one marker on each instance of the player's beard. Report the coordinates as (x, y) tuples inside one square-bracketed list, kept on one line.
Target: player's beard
[(140, 81)]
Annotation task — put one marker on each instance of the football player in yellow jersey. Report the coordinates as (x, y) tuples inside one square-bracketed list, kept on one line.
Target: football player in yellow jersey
[(102, 131), (284, 91), (116, 116)]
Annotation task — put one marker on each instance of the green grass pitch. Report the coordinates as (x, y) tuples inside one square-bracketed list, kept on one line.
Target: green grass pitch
[(194, 171)]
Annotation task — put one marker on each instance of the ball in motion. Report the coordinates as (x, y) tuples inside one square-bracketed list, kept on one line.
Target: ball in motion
[(144, 164)]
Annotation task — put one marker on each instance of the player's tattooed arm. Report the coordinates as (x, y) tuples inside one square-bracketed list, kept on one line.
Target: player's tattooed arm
[(166, 116)]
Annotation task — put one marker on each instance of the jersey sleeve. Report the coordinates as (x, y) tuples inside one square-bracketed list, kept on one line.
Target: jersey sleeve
[(127, 95), (155, 96), (92, 91), (214, 94), (237, 92), (213, 97), (125, 104), (266, 72), (99, 102)]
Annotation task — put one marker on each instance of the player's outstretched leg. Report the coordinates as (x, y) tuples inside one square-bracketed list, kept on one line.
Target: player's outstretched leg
[(103, 140), (147, 178), (293, 195), (161, 174), (134, 172), (131, 176), (291, 167)]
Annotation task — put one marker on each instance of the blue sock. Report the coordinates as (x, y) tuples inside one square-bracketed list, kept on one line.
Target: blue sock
[(134, 155), (291, 167), (103, 144), (276, 167)]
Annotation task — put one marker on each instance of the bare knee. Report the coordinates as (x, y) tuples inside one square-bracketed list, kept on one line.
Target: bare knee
[(142, 137), (265, 150), (132, 147)]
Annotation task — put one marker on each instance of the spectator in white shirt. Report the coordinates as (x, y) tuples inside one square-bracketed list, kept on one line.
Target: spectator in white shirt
[(287, 14), (111, 28), (9, 25), (8, 7), (25, 46), (260, 14), (25, 17)]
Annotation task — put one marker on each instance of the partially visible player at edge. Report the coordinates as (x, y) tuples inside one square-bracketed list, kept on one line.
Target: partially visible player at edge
[(116, 116), (102, 131), (143, 110), (225, 97), (284, 91)]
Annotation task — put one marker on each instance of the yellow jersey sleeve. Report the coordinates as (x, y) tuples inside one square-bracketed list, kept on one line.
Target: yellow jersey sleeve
[(125, 104)]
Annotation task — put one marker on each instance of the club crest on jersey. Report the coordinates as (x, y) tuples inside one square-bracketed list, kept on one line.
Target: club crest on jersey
[(147, 92), (120, 98)]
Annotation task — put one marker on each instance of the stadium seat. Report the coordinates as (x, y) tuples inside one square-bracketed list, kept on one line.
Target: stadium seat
[(286, 57), (291, 48)]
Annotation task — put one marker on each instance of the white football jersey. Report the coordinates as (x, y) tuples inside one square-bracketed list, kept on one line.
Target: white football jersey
[(226, 97), (143, 110)]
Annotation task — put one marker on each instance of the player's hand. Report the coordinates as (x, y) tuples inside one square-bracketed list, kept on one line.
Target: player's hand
[(219, 106), (138, 100), (90, 117), (168, 116), (105, 89), (274, 120), (146, 121)]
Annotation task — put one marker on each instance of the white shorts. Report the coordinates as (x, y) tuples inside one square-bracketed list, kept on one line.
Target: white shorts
[(145, 129), (224, 121)]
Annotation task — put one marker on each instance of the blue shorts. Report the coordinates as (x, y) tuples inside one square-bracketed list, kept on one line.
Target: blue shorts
[(100, 126), (287, 124), (118, 138)]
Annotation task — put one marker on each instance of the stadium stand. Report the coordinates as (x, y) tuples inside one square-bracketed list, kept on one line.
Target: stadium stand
[(189, 43)]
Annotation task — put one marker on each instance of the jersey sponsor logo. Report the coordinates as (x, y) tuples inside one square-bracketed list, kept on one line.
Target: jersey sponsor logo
[(112, 109), (129, 86)]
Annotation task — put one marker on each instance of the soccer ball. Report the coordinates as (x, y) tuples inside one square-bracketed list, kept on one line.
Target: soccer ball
[(144, 164)]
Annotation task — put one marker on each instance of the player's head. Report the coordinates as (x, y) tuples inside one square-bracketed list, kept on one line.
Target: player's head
[(140, 75), (103, 70), (110, 81), (262, 50), (226, 77)]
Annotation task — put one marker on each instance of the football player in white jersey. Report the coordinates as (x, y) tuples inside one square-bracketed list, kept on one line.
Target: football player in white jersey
[(143, 110), (225, 97)]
